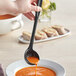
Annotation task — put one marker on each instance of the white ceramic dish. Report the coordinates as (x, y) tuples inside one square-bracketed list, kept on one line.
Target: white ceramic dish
[(14, 67), (11, 24), (21, 39)]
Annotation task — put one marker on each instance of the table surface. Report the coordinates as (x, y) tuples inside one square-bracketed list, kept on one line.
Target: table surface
[(62, 51)]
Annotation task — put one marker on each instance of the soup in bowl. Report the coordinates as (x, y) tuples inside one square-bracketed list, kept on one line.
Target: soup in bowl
[(33, 71), (44, 68), (7, 16), (10, 23)]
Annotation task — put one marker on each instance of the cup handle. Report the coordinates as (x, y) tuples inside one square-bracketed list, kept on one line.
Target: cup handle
[(17, 24)]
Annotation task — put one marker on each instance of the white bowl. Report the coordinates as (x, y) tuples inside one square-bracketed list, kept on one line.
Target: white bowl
[(11, 24), (14, 67)]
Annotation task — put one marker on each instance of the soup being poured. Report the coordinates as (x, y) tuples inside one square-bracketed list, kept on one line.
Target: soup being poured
[(7, 16), (33, 60), (30, 71), (36, 70)]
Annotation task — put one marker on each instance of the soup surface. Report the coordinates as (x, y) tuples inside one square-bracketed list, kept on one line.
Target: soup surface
[(30, 71), (6, 16)]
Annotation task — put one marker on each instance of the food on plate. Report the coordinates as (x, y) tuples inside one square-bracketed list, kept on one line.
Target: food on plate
[(50, 31), (60, 29), (40, 35), (26, 35), (45, 32)]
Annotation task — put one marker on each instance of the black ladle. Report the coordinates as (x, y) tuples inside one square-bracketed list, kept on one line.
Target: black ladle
[(30, 52)]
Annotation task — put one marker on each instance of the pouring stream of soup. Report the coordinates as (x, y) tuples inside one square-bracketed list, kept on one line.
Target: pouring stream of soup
[(34, 60), (35, 70)]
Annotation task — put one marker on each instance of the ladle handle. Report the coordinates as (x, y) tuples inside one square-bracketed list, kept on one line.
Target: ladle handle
[(34, 30), (39, 4), (35, 25)]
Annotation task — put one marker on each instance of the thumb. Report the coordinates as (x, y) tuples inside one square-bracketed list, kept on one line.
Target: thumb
[(35, 8)]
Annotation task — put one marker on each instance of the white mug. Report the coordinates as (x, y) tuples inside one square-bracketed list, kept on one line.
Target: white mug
[(11, 24)]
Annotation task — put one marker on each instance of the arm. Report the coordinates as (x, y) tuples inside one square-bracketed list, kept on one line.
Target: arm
[(20, 6)]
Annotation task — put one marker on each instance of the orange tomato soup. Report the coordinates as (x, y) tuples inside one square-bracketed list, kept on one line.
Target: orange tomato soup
[(6, 16), (30, 71), (33, 60)]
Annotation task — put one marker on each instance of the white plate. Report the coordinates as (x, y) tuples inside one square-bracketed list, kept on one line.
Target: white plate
[(14, 67), (21, 39)]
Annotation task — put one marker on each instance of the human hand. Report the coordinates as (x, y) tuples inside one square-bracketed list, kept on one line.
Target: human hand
[(27, 6), (19, 6)]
